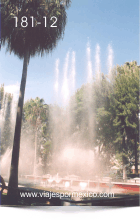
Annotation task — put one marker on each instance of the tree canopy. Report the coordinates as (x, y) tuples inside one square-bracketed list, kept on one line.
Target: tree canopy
[(36, 38)]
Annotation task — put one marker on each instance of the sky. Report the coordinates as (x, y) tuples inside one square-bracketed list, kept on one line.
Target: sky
[(106, 23)]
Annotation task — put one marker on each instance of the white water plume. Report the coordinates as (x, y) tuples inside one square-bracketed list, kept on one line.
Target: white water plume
[(88, 94), (3, 110), (75, 161), (56, 85), (73, 72), (13, 112), (5, 162), (13, 89), (65, 87), (89, 64), (97, 63), (110, 60)]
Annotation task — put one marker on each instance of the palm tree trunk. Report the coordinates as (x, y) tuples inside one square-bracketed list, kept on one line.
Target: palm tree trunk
[(13, 179)]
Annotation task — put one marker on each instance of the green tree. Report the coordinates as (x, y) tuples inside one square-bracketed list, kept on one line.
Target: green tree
[(26, 42), (126, 107), (35, 112), (103, 126), (45, 138), (117, 114), (82, 107)]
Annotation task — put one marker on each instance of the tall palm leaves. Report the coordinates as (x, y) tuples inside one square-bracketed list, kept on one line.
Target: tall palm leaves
[(35, 113), (35, 110), (37, 39), (26, 41)]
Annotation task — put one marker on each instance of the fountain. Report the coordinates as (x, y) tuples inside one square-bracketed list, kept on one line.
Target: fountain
[(7, 126), (110, 61), (74, 164), (5, 163), (7, 120), (97, 64), (73, 153), (56, 85), (65, 86)]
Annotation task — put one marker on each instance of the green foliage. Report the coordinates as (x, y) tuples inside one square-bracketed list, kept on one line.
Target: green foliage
[(126, 107), (122, 158), (115, 106), (35, 111), (47, 147), (37, 39), (104, 115), (78, 107)]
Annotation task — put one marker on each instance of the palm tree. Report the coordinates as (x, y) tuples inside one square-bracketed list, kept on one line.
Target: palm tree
[(26, 42), (35, 112)]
